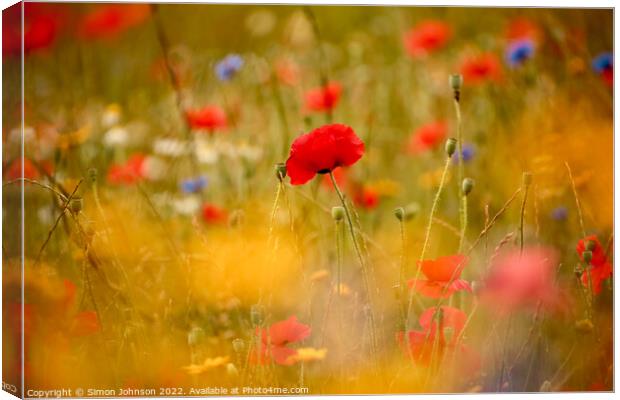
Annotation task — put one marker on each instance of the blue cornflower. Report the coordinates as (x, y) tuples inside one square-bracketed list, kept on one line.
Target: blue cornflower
[(193, 185), (228, 67), (519, 51), (603, 62), (559, 213), (468, 153)]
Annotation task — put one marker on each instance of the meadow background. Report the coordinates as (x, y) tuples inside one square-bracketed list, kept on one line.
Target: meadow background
[(160, 240)]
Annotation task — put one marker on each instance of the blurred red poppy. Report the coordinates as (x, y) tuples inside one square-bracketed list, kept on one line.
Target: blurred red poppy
[(213, 214), (481, 68), (431, 341), (321, 151), (601, 267), (108, 21), (340, 175), (428, 137), (41, 25), (85, 323), (522, 279), (442, 277), (367, 198), (274, 341), (132, 171), (210, 117), (14, 170), (523, 28), (287, 72), (426, 37), (323, 99)]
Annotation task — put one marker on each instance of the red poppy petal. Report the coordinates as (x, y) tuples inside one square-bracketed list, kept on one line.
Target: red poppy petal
[(288, 331), (431, 289), (452, 318), (444, 268)]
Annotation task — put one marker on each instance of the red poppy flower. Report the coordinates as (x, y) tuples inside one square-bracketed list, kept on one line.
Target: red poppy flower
[(323, 99), (213, 214), (40, 28), (431, 340), (85, 323), (14, 170), (110, 20), (481, 68), (601, 267), (425, 37), (321, 151), (132, 171), (608, 76), (523, 28), (274, 341), (428, 137), (442, 277), (209, 117), (340, 175), (367, 198), (523, 279)]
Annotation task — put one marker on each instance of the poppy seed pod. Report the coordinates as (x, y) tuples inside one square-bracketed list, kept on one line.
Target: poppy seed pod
[(399, 213), (456, 81), (468, 185), (590, 245), (77, 203), (587, 257), (450, 146), (280, 170), (411, 210), (238, 345), (337, 213)]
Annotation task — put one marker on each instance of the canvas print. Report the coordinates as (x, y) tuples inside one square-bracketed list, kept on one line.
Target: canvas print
[(204, 199)]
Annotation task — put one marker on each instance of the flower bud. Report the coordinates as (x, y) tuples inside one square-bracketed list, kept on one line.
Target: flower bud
[(468, 185), (399, 213), (238, 345), (280, 170), (450, 146), (456, 81), (338, 213), (584, 326), (76, 204), (257, 314), (590, 245), (587, 257), (527, 179)]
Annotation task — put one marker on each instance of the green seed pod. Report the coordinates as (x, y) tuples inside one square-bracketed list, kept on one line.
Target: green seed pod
[(76, 204), (450, 146), (238, 345), (280, 170), (527, 179), (587, 257), (584, 326), (590, 245), (468, 185), (399, 213), (338, 213), (456, 81)]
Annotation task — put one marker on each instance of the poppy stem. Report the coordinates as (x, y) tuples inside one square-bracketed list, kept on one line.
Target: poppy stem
[(347, 214), (427, 234), (460, 173), (526, 186), (401, 277)]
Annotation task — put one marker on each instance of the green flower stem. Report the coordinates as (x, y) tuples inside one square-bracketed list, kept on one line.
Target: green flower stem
[(460, 174), (361, 261)]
